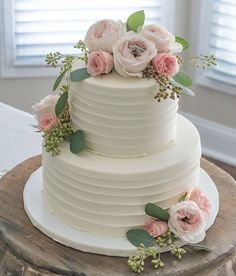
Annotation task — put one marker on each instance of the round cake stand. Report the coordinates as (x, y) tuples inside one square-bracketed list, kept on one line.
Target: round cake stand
[(52, 226), (26, 251)]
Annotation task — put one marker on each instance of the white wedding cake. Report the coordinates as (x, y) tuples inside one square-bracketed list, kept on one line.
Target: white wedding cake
[(138, 151), (121, 168)]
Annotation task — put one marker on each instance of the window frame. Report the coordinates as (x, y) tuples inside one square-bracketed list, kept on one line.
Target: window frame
[(9, 70), (200, 12)]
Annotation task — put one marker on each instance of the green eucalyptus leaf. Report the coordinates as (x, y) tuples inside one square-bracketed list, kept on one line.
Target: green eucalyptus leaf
[(138, 236), (77, 142), (61, 103), (185, 91), (135, 20), (183, 42), (79, 75), (58, 80), (156, 212), (183, 79), (198, 247), (183, 197)]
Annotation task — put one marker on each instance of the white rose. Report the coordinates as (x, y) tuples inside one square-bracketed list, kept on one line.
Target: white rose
[(45, 106), (164, 40), (102, 35), (132, 53), (187, 221)]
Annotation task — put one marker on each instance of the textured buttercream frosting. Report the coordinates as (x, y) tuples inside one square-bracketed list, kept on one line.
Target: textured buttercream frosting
[(120, 117), (107, 196)]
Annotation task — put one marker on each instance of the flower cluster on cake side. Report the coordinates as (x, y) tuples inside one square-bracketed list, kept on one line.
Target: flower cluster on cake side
[(183, 224)]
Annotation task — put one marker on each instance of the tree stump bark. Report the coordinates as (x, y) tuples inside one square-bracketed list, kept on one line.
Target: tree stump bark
[(25, 251)]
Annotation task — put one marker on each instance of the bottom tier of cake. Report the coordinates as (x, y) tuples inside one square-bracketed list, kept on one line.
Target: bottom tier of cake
[(107, 196)]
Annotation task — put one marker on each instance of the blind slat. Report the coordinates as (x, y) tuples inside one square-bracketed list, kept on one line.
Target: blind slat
[(224, 55), (222, 37), (24, 5), (223, 32), (50, 16), (224, 8), (43, 26)]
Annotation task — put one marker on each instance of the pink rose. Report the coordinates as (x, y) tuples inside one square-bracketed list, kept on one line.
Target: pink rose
[(99, 62), (187, 221), (201, 200), (103, 34), (132, 53), (164, 41), (156, 228), (165, 63), (45, 106), (47, 121)]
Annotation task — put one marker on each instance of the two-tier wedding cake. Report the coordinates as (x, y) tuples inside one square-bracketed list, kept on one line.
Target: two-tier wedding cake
[(138, 151), (115, 150)]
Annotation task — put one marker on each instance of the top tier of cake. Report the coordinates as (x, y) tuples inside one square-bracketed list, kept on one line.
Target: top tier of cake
[(120, 117)]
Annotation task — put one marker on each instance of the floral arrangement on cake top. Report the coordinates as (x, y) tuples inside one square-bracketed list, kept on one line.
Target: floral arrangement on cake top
[(132, 49), (167, 230)]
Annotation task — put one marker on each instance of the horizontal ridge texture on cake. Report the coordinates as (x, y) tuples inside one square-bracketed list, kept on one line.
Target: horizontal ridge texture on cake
[(120, 116), (107, 196)]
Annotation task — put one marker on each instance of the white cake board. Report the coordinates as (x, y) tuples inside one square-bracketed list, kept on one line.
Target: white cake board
[(59, 231)]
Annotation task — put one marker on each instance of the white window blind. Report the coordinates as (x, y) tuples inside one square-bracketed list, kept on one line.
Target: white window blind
[(32, 28), (222, 40)]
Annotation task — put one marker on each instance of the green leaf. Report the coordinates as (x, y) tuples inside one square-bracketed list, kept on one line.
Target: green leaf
[(183, 79), (138, 236), (77, 142), (61, 103), (79, 75), (135, 20), (156, 212), (183, 42), (183, 197), (58, 80), (185, 91), (198, 247)]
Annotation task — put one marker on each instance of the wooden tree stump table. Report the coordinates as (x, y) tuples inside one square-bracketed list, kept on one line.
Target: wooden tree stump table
[(24, 250)]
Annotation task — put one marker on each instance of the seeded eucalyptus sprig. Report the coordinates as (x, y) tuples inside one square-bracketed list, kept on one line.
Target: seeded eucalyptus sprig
[(137, 262), (59, 133), (81, 46), (53, 59), (167, 89), (202, 62), (153, 254), (66, 61)]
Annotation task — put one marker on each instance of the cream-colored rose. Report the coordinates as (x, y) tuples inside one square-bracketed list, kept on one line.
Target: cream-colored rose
[(187, 221), (132, 53), (164, 40), (102, 35)]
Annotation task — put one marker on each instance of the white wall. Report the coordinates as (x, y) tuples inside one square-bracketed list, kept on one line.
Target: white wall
[(23, 93)]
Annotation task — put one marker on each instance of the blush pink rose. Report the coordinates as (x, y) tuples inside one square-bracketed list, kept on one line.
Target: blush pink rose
[(163, 40), (99, 62), (165, 64), (187, 221), (102, 35), (47, 121), (156, 228), (45, 106), (201, 200)]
